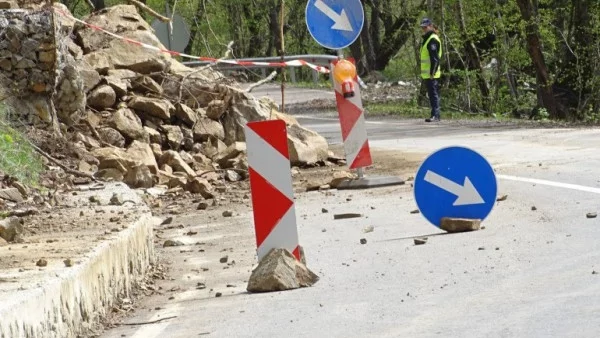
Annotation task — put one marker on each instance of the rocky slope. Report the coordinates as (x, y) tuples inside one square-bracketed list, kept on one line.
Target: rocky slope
[(143, 117)]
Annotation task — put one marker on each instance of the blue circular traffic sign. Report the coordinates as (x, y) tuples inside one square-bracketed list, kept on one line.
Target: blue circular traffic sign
[(335, 24), (455, 182)]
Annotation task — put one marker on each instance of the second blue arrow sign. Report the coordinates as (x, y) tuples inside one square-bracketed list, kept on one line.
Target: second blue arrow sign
[(455, 182)]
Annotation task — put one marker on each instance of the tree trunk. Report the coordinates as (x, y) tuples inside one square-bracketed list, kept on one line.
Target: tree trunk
[(534, 49), (474, 58), (189, 49)]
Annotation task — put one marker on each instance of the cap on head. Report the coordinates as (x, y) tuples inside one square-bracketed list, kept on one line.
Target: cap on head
[(426, 22)]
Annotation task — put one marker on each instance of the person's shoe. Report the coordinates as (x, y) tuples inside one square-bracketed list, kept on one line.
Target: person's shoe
[(433, 119)]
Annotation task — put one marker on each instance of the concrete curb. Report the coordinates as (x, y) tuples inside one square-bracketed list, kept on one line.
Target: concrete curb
[(69, 302)]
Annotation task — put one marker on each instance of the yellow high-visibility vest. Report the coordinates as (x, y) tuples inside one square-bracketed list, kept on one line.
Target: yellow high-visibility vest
[(426, 63)]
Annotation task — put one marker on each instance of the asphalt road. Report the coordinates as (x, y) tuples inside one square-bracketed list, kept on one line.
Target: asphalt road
[(533, 272)]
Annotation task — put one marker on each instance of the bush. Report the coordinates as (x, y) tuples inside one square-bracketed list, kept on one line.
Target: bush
[(17, 157)]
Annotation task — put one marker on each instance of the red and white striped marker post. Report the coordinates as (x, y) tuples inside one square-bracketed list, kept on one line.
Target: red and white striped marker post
[(271, 187), (354, 131)]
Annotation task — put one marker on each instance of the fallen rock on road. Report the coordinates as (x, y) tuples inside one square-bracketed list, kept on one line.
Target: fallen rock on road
[(460, 224), (280, 271)]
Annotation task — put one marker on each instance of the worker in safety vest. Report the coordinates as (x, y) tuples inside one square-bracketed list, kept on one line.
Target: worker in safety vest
[(431, 54)]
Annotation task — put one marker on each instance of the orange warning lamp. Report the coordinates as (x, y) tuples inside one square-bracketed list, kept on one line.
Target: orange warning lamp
[(344, 73)]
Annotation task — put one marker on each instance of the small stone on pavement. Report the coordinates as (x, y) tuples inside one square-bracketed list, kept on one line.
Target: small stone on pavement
[(420, 241)]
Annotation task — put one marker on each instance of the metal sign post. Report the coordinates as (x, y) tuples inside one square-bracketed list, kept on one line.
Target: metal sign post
[(336, 24)]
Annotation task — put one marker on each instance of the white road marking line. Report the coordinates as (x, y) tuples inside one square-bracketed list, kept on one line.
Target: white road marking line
[(335, 119), (550, 183)]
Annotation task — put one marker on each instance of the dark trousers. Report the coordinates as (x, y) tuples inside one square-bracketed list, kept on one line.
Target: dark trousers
[(433, 91)]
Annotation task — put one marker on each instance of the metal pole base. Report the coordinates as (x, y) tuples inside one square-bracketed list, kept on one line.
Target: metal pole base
[(370, 182)]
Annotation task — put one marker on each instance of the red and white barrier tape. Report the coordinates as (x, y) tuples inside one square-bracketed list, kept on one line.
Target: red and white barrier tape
[(293, 63)]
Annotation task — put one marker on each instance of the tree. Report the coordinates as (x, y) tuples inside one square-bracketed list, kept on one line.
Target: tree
[(534, 48)]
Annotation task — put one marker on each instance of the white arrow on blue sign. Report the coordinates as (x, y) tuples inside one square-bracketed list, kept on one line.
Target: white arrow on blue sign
[(455, 182), (335, 24)]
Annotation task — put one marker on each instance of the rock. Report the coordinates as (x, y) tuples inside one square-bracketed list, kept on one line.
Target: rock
[(224, 259), (420, 241), (139, 176), (116, 199), (187, 158), (89, 75), (9, 4), (153, 107), (305, 146), (167, 221), (339, 177), (202, 206), (363, 241), (142, 152), (3, 242), (215, 109), (186, 114), (218, 294), (68, 262), (102, 97), (177, 182), (592, 215), (117, 84), (502, 198), (368, 229), (109, 174), (323, 210), (11, 194), (231, 152), (232, 176), (279, 271), (112, 137), (416, 211), (174, 136), (11, 228), (86, 140), (200, 186), (227, 213), (154, 136), (346, 216), (460, 224), (533, 208), (129, 125), (113, 158), (174, 160), (145, 84), (100, 61), (41, 263), (170, 242), (205, 128)]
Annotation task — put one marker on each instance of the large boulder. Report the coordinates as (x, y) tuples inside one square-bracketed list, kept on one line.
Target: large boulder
[(139, 176), (129, 124), (306, 146), (114, 158), (153, 107), (102, 97), (112, 137), (174, 136), (142, 153), (280, 271), (174, 160), (206, 127)]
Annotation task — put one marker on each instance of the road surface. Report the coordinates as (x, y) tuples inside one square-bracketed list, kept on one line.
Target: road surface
[(533, 272)]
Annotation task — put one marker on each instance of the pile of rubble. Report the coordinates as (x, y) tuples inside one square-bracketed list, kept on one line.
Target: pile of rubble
[(142, 117)]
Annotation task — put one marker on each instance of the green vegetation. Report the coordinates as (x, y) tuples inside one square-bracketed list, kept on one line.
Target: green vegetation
[(17, 157), (531, 58)]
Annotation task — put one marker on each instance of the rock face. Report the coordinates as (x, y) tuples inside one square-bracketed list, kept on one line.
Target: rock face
[(279, 271)]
